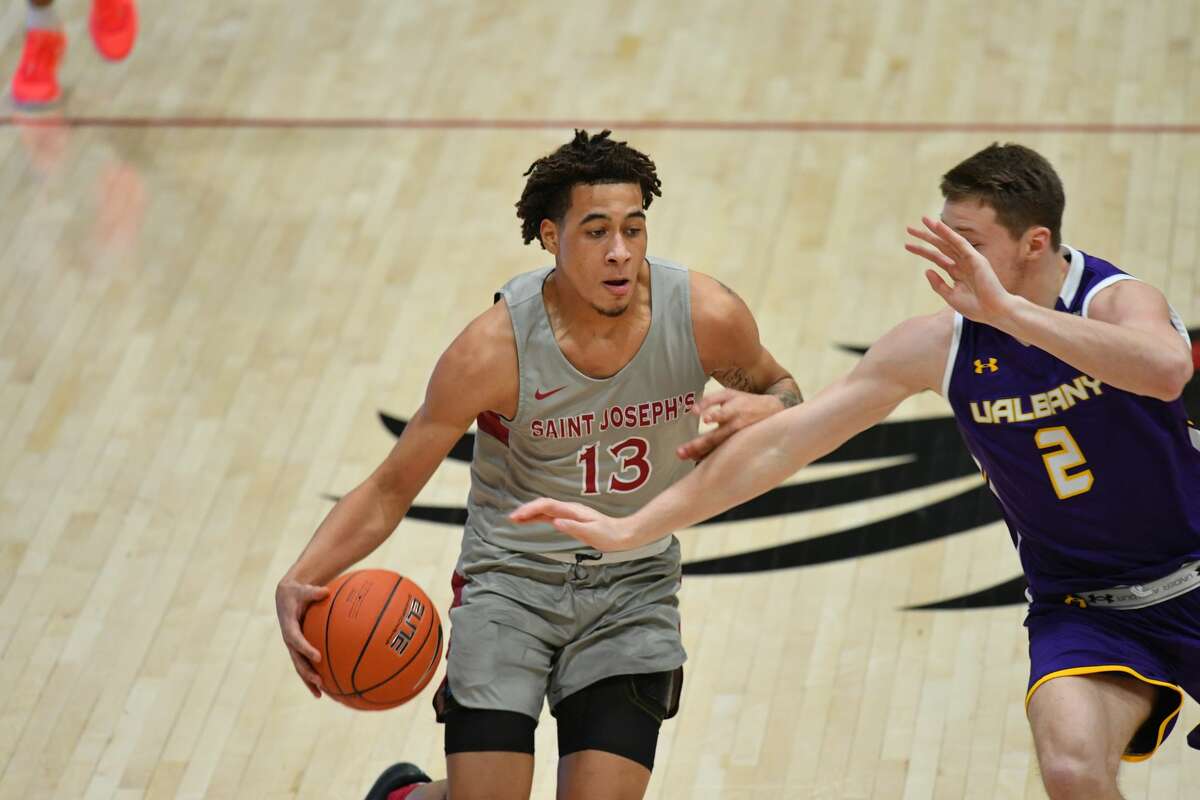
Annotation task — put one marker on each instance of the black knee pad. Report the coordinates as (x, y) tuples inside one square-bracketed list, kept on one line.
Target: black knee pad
[(476, 730), (619, 715)]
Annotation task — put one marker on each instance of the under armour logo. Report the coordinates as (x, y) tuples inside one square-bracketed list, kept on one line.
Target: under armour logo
[(989, 365)]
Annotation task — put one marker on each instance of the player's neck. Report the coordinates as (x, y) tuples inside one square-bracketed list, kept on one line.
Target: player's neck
[(596, 345), (571, 312), (1042, 283)]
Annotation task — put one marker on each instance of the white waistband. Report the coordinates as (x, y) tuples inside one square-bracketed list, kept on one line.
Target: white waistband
[(588, 558), (1125, 598)]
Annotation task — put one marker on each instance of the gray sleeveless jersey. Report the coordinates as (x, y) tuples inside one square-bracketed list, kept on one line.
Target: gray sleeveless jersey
[(607, 443)]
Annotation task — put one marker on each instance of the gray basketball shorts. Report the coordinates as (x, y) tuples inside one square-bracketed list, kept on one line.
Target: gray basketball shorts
[(527, 628)]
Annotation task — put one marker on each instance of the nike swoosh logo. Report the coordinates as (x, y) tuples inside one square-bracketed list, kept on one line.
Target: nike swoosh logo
[(540, 395)]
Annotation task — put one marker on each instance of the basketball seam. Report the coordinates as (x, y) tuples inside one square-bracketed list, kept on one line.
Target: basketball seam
[(416, 651), (328, 651), (383, 609), (432, 665), (421, 684)]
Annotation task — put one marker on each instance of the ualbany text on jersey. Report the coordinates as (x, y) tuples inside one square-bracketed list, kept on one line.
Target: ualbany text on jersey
[(1045, 404)]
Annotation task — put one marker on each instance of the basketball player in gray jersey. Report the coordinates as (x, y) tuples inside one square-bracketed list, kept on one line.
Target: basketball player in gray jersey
[(582, 378)]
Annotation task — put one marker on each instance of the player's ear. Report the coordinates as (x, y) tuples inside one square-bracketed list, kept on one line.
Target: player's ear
[(548, 232), (1037, 240)]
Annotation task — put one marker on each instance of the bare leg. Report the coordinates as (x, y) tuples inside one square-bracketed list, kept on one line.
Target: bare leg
[(1081, 726), (596, 775), (482, 776)]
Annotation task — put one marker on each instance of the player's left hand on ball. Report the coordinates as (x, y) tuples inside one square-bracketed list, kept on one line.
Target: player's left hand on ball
[(731, 411), (589, 526)]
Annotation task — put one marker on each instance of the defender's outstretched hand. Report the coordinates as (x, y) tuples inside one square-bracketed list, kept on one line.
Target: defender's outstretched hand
[(606, 534), (975, 291)]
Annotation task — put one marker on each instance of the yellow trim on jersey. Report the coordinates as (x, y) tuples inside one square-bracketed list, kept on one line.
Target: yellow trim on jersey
[(1162, 727)]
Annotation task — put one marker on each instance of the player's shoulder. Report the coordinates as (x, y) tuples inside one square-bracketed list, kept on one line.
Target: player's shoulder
[(484, 354), (927, 329), (708, 289), (722, 324), (917, 349), (714, 304), (1122, 293)]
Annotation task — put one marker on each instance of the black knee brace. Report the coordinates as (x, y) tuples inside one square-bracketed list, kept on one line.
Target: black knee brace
[(619, 715)]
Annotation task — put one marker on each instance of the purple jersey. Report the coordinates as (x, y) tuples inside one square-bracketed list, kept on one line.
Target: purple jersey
[(1100, 487)]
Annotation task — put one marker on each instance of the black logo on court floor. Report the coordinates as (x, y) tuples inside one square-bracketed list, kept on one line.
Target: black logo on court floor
[(932, 451)]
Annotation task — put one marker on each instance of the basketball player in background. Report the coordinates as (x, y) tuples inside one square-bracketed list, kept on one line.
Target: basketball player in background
[(1064, 375), (582, 377), (113, 24)]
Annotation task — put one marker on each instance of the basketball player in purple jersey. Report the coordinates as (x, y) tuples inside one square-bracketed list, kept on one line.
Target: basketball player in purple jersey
[(582, 378), (1064, 375)]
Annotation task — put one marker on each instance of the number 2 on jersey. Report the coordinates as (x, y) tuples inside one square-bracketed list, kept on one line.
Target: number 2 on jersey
[(1066, 455), (631, 457)]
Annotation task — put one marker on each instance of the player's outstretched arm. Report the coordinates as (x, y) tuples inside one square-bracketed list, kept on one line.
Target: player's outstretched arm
[(907, 360), (756, 385), (1128, 340), (477, 373)]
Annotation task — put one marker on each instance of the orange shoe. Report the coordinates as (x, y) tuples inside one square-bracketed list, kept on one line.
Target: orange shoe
[(114, 26), (36, 81)]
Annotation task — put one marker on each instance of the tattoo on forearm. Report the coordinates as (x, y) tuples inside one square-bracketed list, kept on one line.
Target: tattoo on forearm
[(788, 392), (735, 378), (788, 395)]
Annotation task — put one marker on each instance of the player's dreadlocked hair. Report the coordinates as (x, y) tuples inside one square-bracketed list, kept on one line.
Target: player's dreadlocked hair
[(585, 159), (1018, 183)]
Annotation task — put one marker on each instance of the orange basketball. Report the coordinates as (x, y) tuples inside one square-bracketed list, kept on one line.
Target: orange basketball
[(379, 636)]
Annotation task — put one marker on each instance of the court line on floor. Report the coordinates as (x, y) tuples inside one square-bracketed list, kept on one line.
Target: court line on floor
[(746, 126)]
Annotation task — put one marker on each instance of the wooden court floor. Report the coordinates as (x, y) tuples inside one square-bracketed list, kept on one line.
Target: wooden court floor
[(222, 260)]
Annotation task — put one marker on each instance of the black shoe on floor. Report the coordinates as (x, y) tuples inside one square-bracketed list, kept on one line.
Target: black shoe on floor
[(397, 776)]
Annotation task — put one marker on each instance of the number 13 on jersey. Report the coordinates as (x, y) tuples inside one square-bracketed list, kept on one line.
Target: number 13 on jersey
[(633, 468)]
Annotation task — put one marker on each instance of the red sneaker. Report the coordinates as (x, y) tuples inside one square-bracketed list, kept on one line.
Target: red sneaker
[(36, 81), (114, 26)]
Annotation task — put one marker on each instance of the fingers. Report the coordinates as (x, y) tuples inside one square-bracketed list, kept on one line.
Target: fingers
[(953, 239), (584, 533), (716, 415), (931, 238), (938, 285), (307, 674), (569, 527), (314, 594), (704, 444), (545, 510), (715, 399), (534, 511), (945, 239), (933, 256), (293, 637)]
